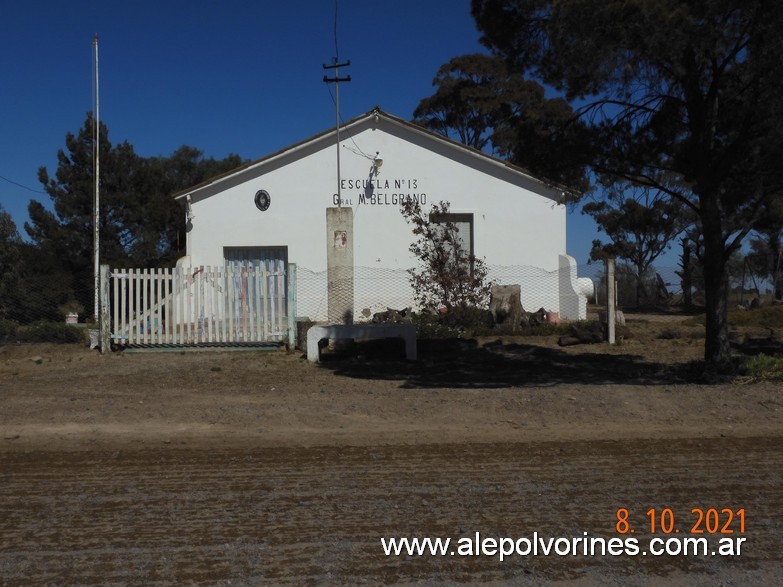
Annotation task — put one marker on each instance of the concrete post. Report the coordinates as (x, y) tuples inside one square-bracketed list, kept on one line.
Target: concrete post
[(611, 317), (339, 265), (104, 318), (291, 305)]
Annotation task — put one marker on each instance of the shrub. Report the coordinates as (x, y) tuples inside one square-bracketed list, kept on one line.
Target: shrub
[(449, 275), (763, 368), (431, 326), (467, 317), (43, 331), (472, 322)]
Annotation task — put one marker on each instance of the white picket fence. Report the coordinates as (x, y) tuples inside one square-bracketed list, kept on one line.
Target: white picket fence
[(187, 306)]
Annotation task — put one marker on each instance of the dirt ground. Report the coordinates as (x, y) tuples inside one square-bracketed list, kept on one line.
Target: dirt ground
[(243, 468)]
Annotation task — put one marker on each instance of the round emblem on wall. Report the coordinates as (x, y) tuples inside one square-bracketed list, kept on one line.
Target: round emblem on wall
[(263, 200)]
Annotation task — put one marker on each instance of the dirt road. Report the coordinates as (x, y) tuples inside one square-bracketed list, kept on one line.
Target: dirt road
[(239, 468)]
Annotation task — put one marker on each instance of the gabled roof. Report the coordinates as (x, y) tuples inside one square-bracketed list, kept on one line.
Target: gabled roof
[(375, 114)]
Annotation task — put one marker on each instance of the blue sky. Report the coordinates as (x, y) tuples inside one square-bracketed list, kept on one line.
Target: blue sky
[(226, 77)]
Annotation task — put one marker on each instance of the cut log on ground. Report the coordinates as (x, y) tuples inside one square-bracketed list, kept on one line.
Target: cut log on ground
[(506, 306)]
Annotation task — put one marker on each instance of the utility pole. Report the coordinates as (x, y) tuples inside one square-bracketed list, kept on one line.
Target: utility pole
[(339, 230), (336, 80)]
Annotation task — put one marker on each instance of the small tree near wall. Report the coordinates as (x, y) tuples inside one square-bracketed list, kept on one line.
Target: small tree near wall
[(449, 275)]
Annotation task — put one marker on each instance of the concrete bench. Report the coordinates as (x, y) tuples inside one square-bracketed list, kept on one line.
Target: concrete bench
[(315, 334)]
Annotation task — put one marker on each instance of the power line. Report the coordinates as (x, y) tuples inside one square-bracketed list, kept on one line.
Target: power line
[(342, 121), (329, 87), (29, 189), (336, 50)]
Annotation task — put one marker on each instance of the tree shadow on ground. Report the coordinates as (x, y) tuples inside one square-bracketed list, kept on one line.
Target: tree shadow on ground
[(463, 364)]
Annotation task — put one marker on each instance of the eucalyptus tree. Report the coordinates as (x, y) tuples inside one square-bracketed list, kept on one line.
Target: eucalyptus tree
[(674, 88), (641, 224), (482, 103)]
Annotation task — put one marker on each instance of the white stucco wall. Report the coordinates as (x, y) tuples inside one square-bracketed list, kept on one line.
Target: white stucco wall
[(513, 225)]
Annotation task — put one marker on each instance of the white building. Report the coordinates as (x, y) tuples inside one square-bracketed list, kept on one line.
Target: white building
[(272, 211)]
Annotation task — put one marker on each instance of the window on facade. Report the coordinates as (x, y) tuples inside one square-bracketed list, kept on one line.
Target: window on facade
[(270, 258), (460, 226)]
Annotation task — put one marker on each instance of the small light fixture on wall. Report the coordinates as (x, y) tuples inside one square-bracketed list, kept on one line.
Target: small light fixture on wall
[(377, 162)]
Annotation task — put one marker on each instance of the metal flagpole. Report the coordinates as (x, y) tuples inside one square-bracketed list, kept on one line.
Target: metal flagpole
[(96, 202)]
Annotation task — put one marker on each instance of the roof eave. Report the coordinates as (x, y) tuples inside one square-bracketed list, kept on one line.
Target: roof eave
[(378, 113)]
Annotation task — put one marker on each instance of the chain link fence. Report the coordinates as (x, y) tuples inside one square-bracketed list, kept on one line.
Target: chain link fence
[(374, 290), (661, 286), (37, 311), (39, 302)]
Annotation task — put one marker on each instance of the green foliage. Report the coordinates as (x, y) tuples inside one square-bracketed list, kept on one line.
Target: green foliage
[(763, 368), (10, 246), (766, 256), (545, 329), (629, 285), (140, 223), (449, 276), (467, 100), (32, 286), (685, 97), (430, 326), (459, 322), (641, 223), (473, 322), (57, 332), (484, 105), (464, 316)]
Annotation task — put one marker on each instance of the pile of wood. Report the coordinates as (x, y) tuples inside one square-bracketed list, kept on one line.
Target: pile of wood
[(535, 318), (391, 316)]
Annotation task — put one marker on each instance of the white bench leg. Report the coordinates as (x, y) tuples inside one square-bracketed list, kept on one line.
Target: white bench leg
[(314, 336)]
